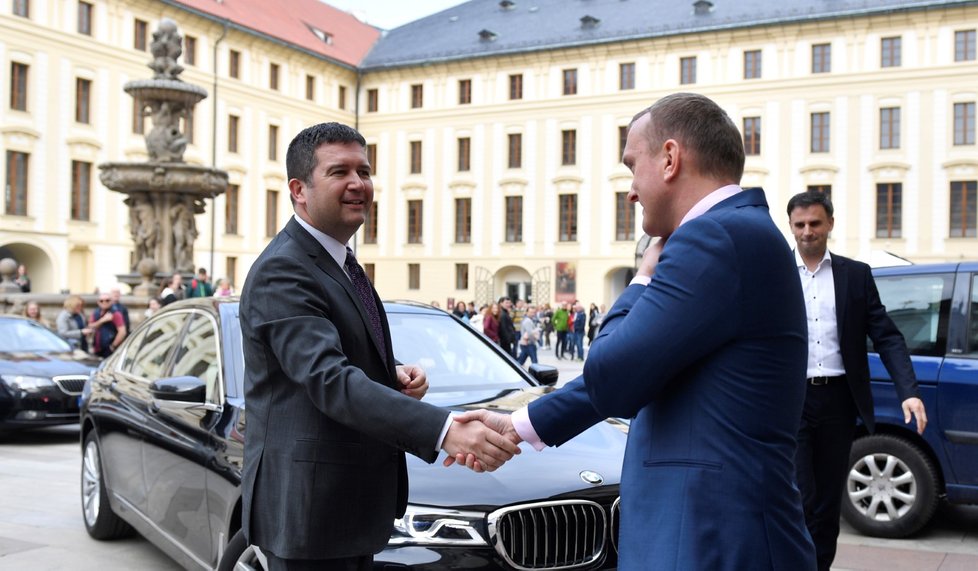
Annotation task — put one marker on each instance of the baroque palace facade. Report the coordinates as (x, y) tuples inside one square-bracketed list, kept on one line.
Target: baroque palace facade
[(495, 128)]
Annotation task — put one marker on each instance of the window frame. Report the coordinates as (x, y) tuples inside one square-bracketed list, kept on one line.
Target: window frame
[(567, 212), (891, 51), (624, 218), (463, 220), (415, 221), (513, 225), (17, 179), (568, 147), (752, 64), (687, 70), (891, 211), (569, 81), (626, 76), (822, 58), (81, 191)]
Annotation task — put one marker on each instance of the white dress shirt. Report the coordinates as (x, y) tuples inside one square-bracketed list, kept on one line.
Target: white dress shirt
[(818, 287)]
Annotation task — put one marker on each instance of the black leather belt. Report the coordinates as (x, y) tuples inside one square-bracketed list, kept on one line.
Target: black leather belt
[(818, 381)]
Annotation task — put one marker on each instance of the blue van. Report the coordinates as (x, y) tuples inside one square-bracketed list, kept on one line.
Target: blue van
[(897, 478)]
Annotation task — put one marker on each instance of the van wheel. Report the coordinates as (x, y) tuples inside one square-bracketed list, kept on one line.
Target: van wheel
[(891, 489)]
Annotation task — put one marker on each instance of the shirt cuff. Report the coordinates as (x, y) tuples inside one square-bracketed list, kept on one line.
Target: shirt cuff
[(523, 426), (641, 280), (444, 432)]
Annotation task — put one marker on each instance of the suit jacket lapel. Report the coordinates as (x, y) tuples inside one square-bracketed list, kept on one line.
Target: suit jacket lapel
[(841, 282), (328, 265)]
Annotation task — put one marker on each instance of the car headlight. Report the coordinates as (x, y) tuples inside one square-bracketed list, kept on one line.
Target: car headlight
[(433, 526), (26, 383)]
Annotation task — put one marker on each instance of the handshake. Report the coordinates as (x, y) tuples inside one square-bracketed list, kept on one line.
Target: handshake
[(481, 440)]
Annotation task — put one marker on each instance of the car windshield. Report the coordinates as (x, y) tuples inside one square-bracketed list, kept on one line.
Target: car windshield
[(461, 367), (20, 335)]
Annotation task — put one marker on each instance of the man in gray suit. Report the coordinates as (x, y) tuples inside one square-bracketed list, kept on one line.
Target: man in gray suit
[(330, 413)]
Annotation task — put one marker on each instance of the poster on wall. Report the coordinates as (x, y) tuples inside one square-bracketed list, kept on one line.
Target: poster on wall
[(566, 287)]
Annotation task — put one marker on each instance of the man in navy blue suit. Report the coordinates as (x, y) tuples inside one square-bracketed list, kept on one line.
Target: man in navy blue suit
[(705, 351), (843, 308)]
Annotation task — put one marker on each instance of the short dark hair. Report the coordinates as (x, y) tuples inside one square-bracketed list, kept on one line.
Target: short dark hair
[(810, 198), (300, 159), (697, 122), (201, 270)]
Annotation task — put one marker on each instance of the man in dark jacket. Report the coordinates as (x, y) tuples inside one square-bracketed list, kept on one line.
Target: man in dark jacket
[(507, 330)]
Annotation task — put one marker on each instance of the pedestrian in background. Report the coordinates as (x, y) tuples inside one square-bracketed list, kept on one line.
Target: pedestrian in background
[(561, 316), (201, 286), (529, 333), (507, 330), (22, 280), (593, 322), (580, 324), (71, 323), (32, 311), (224, 288), (116, 294), (843, 308), (108, 327), (490, 323)]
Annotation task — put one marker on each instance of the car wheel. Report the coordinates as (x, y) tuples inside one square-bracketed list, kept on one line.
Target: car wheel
[(240, 556), (100, 521), (891, 489)]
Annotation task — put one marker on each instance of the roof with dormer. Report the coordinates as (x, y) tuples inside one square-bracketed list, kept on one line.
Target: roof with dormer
[(486, 28), (309, 25)]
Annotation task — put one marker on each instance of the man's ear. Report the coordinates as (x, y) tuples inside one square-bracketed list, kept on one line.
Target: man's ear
[(297, 190), (671, 159)]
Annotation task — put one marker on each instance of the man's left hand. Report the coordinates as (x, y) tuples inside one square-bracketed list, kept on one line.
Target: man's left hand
[(414, 381), (915, 406)]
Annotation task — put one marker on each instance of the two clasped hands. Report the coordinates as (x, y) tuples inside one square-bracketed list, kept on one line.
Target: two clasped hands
[(478, 439)]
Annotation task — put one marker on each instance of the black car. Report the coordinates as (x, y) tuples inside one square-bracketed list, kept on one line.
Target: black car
[(41, 377), (163, 428)]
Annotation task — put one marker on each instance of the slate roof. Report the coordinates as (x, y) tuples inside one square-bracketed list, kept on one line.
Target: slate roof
[(484, 28), (293, 22)]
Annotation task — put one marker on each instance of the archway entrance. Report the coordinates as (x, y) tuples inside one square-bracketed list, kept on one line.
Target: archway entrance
[(39, 266)]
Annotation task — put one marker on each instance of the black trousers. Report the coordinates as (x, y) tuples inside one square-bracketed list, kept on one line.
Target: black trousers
[(362, 563), (828, 425)]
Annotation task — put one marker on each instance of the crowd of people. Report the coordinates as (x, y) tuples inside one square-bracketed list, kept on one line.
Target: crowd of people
[(102, 330), (522, 328)]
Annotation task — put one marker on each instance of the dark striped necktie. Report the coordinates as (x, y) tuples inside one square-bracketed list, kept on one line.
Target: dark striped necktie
[(366, 293)]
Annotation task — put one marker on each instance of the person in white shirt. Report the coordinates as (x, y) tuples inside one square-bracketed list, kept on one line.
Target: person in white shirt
[(843, 307)]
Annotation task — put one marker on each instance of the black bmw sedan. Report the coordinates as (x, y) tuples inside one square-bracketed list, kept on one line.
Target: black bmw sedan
[(41, 377), (163, 428)]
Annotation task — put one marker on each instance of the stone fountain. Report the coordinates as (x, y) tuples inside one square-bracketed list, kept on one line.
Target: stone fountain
[(164, 193)]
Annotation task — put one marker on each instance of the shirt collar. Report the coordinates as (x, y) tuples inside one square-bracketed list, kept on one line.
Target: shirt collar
[(801, 263), (333, 247), (709, 201)]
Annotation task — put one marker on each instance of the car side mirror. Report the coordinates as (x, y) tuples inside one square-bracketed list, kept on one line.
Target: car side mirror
[(183, 389), (544, 374)]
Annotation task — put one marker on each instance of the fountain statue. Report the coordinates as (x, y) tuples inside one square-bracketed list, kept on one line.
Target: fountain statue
[(164, 193)]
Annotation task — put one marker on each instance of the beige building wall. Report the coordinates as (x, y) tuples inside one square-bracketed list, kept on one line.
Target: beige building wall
[(80, 255)]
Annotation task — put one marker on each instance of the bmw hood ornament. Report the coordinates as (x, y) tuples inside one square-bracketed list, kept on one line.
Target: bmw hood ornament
[(592, 477)]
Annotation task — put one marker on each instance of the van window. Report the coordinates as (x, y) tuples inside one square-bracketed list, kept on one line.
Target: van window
[(973, 317), (920, 306)]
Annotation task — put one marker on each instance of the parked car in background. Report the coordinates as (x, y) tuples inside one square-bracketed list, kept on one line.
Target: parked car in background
[(897, 478), (163, 428), (41, 377)]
